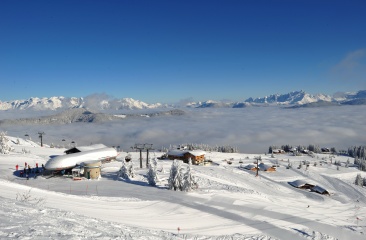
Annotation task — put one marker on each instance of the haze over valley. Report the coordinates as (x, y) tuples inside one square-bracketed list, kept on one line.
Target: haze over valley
[(273, 120)]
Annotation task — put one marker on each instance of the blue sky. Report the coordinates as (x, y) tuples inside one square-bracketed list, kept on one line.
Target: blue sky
[(166, 51)]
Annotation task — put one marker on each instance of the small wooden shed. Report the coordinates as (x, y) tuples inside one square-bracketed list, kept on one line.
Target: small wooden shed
[(92, 169)]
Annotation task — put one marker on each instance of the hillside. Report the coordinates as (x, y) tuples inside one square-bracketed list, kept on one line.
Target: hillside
[(83, 115), (230, 203)]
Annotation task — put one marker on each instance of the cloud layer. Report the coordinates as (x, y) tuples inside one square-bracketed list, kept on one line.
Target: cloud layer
[(252, 130)]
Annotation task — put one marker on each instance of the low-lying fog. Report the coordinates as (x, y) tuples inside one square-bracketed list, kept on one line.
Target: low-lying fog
[(251, 130)]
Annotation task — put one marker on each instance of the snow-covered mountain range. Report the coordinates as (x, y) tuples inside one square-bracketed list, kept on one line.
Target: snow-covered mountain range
[(56, 103), (294, 99)]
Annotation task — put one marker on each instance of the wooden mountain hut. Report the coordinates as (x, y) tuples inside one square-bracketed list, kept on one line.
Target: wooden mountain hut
[(251, 167), (196, 156), (266, 168), (301, 184)]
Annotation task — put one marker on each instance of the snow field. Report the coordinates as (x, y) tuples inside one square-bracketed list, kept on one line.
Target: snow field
[(229, 203)]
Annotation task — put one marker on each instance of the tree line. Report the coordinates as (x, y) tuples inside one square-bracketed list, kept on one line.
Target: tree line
[(311, 147)]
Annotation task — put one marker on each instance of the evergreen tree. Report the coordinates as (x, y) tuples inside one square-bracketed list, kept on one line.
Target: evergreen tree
[(5, 148), (152, 176), (127, 170), (359, 180), (131, 170), (123, 172), (356, 161), (175, 181), (190, 182)]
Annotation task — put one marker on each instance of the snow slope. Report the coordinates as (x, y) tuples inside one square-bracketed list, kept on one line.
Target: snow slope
[(230, 203)]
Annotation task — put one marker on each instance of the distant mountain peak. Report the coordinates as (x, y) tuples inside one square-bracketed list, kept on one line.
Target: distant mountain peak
[(57, 103), (294, 98)]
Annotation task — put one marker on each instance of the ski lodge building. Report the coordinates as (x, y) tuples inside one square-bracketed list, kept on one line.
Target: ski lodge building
[(197, 156)]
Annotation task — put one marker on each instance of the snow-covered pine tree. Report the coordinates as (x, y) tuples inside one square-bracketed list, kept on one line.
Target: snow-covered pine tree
[(359, 181), (123, 172), (175, 181), (190, 182), (362, 165), (5, 148), (152, 176), (127, 170), (131, 170)]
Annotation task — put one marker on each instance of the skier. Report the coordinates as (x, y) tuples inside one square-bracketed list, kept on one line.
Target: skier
[(16, 167)]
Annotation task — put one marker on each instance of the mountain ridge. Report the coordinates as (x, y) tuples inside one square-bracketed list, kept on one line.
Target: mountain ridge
[(294, 98)]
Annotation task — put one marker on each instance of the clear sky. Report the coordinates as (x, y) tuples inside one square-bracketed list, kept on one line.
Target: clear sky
[(166, 51)]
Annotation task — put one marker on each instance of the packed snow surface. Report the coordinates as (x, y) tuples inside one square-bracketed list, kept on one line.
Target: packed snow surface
[(230, 202)]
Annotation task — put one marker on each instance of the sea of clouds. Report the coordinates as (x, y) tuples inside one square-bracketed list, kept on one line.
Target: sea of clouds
[(251, 130)]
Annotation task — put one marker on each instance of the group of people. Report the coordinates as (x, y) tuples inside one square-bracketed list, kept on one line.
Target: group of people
[(28, 170)]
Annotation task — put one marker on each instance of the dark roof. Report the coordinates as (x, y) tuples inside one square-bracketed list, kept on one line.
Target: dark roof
[(301, 184), (319, 189)]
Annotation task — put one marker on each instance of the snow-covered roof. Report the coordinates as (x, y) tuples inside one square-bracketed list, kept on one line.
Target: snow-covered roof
[(91, 147), (176, 152), (264, 167), (298, 183), (197, 152), (319, 189), (250, 166)]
